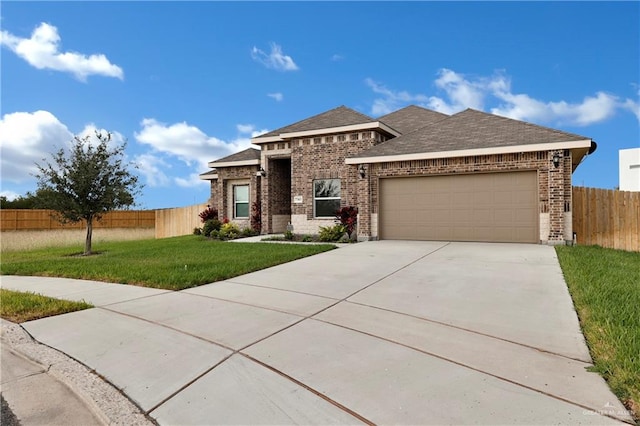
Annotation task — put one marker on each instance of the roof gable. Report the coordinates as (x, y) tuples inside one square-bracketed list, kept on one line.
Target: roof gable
[(470, 129), (337, 117), (411, 118)]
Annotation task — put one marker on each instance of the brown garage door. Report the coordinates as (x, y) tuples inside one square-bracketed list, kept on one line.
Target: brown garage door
[(500, 207)]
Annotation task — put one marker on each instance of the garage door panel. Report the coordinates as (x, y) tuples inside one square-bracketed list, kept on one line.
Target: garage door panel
[(476, 207)]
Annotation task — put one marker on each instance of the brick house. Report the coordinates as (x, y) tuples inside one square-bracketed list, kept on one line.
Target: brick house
[(413, 174)]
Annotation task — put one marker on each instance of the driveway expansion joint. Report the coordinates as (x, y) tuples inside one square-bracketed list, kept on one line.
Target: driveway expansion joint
[(587, 363)]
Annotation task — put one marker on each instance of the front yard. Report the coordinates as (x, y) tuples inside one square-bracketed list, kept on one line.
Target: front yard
[(605, 287), (170, 263)]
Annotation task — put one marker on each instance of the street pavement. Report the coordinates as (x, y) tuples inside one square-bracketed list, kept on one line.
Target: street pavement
[(378, 332)]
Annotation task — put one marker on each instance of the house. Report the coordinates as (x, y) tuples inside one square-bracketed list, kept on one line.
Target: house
[(629, 169), (413, 174)]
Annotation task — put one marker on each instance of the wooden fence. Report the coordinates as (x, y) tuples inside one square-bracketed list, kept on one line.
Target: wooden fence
[(178, 221), (32, 220), (607, 218)]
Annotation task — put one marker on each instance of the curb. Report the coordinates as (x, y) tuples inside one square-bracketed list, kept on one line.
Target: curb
[(105, 401)]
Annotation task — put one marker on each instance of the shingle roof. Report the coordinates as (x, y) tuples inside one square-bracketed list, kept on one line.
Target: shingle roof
[(469, 129), (340, 116), (246, 155), (411, 118)]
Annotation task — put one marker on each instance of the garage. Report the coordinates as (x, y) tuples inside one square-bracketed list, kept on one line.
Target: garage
[(492, 207)]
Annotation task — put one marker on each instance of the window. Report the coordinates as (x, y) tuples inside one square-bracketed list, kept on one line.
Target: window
[(326, 197), (240, 201)]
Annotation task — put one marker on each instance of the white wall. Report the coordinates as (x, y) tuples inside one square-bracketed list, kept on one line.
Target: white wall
[(629, 167)]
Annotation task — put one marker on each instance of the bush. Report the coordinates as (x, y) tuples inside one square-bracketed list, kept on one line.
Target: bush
[(197, 231), (249, 232), (229, 231), (288, 235), (256, 216), (307, 239), (332, 233), (209, 226), (208, 214), (348, 217)]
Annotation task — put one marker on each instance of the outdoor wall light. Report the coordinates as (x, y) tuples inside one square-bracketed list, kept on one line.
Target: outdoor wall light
[(556, 160), (361, 171), (262, 172)]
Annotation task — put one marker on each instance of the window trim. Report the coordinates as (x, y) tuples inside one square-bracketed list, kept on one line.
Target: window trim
[(315, 216), (235, 202)]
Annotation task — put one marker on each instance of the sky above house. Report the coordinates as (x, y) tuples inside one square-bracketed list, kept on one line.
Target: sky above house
[(185, 83)]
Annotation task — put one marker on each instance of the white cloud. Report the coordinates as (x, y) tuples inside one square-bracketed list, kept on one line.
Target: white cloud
[(9, 195), (191, 181), (336, 57), (276, 59), (277, 96), (27, 138), (246, 129), (633, 106), (41, 50), (461, 92), (152, 168), (188, 143), (391, 100)]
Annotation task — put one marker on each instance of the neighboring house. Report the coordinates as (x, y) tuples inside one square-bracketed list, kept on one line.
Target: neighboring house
[(629, 169), (414, 174)]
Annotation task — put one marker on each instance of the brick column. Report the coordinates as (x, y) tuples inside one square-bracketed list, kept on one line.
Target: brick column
[(556, 198), (364, 205), (264, 201)]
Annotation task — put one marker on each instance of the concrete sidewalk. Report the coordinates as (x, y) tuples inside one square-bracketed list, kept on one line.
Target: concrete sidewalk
[(379, 332)]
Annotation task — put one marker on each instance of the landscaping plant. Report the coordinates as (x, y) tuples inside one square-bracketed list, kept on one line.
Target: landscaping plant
[(332, 233), (348, 217), (256, 217), (208, 214), (210, 226)]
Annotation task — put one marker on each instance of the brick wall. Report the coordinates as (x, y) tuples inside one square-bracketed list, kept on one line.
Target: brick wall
[(323, 158), (221, 192)]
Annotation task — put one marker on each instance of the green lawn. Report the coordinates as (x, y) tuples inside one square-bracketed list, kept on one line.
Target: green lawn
[(605, 287), (170, 263), (17, 306)]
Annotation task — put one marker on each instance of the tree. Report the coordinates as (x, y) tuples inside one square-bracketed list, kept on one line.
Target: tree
[(24, 202), (87, 181)]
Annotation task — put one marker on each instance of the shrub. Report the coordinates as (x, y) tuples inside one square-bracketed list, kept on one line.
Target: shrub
[(256, 216), (197, 231), (332, 233), (208, 214), (249, 232), (229, 231), (209, 226), (307, 239), (348, 217), (288, 235)]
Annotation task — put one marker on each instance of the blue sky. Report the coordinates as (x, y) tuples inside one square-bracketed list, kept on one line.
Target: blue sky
[(187, 83)]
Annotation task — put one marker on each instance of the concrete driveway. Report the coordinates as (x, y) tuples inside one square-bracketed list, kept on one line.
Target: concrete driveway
[(379, 332)]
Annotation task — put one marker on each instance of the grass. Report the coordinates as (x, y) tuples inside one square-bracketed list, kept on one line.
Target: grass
[(605, 287), (170, 263), (30, 240), (17, 306)]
